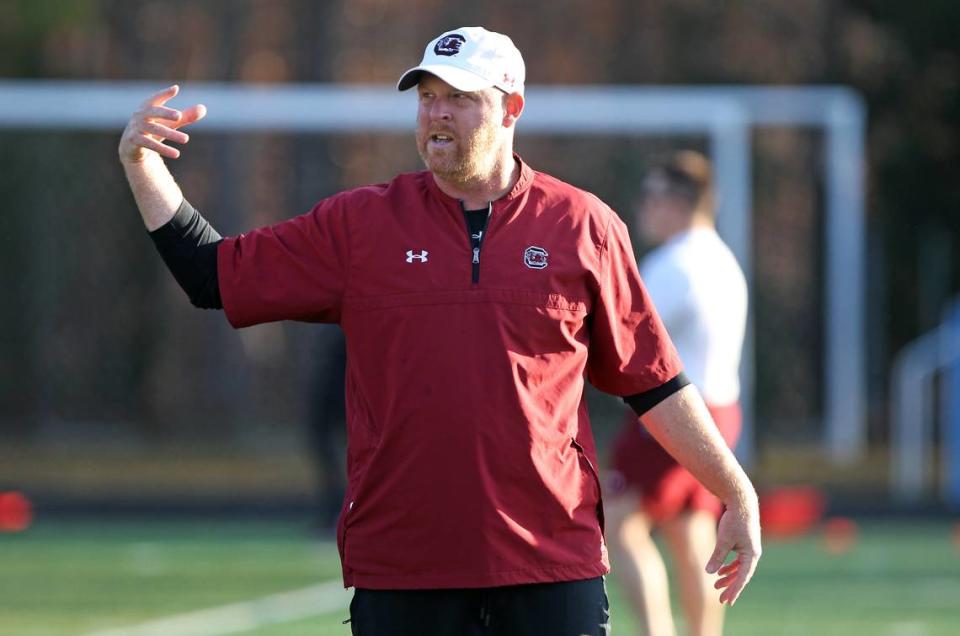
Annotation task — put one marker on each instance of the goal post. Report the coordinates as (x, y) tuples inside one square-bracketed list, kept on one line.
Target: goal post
[(725, 115)]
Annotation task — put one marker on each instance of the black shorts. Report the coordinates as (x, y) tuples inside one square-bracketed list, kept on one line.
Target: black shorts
[(571, 608)]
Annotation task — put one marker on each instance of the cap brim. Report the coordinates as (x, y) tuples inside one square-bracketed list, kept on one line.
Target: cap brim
[(456, 77)]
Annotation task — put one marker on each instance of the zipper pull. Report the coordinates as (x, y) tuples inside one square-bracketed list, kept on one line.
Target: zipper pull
[(476, 256)]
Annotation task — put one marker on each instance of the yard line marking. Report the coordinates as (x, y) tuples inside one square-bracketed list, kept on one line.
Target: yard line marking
[(908, 629), (244, 616)]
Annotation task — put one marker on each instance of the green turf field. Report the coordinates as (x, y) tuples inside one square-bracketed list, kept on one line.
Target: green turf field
[(63, 578)]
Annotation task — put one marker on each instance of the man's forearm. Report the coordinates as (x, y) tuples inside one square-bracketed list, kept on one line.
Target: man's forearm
[(157, 194), (142, 148), (683, 426)]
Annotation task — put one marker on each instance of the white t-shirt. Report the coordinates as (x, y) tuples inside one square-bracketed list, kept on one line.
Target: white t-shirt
[(701, 295)]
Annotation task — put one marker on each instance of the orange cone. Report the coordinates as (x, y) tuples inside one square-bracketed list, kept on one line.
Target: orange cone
[(791, 511), (839, 535), (16, 512)]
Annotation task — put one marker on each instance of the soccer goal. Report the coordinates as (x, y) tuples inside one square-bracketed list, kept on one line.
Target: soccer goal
[(725, 116)]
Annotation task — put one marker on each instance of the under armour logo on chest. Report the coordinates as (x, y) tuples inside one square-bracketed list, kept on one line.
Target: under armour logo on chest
[(412, 256)]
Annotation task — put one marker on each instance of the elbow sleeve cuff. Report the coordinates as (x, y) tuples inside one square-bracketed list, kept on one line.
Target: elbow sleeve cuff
[(643, 402), (188, 245)]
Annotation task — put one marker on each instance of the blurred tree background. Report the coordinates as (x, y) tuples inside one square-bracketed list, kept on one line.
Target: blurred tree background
[(99, 348)]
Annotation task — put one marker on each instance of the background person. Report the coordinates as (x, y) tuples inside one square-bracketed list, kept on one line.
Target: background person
[(701, 295), (475, 297)]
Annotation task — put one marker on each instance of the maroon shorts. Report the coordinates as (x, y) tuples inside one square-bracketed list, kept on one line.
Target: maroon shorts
[(666, 488)]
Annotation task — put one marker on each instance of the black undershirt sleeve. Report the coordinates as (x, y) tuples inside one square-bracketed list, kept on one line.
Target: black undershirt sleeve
[(188, 245), (643, 402)]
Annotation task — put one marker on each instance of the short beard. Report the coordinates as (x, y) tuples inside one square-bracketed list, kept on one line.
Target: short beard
[(471, 161)]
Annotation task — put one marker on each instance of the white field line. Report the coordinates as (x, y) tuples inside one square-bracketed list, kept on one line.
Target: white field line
[(245, 616), (908, 629)]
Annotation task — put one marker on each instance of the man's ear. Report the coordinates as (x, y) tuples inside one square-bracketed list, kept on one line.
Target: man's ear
[(513, 107)]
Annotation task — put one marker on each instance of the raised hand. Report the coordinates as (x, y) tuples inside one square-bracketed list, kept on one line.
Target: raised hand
[(153, 124)]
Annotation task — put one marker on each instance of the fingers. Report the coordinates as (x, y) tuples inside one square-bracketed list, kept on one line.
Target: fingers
[(154, 123), (177, 118), (162, 96), (193, 114), (161, 149), (729, 568), (148, 133), (719, 555), (161, 112), (739, 533), (734, 577), (189, 116), (164, 132), (728, 574)]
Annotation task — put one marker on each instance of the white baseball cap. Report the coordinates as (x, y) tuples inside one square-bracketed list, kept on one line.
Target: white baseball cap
[(471, 59)]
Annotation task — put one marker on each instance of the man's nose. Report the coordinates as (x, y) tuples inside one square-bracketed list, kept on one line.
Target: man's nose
[(440, 109)]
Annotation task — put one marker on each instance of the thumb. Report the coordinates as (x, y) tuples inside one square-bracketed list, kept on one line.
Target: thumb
[(719, 556)]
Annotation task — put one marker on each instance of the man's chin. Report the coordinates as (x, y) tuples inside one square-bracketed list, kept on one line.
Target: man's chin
[(443, 167)]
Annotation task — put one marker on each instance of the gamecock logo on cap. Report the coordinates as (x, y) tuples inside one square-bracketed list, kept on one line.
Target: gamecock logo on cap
[(449, 44)]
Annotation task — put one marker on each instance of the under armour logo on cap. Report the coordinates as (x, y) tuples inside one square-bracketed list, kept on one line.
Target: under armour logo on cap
[(470, 59)]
